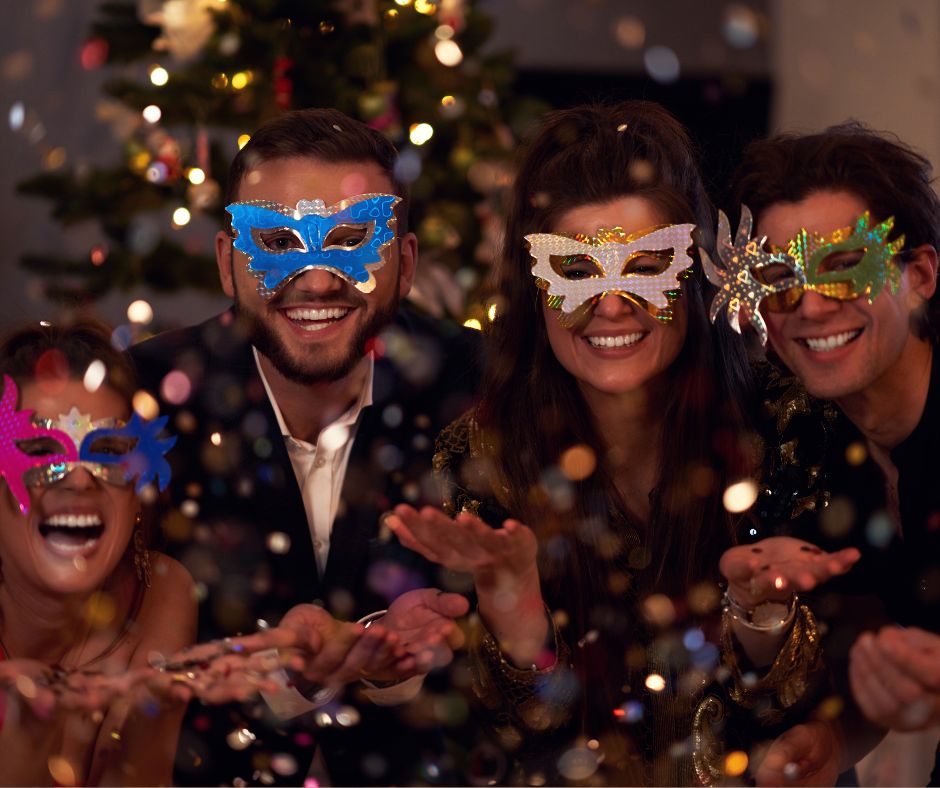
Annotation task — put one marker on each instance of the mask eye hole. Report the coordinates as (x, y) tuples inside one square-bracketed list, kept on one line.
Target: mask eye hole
[(647, 263), (278, 240), (772, 274), (841, 261), (40, 447), (347, 237), (575, 266), (114, 445)]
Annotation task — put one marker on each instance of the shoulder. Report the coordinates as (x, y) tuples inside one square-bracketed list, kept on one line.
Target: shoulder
[(455, 345), (453, 442), (221, 336), (429, 366), (167, 618)]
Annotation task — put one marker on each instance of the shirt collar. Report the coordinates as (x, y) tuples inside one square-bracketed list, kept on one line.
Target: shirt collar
[(364, 400)]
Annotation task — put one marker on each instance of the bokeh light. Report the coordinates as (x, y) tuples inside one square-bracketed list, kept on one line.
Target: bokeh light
[(662, 64), (740, 496), (152, 113), (420, 133), (139, 312), (196, 176), (159, 76), (448, 52), (94, 376)]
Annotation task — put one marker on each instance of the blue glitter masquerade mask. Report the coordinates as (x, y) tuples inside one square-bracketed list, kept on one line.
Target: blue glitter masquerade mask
[(36, 452), (345, 239)]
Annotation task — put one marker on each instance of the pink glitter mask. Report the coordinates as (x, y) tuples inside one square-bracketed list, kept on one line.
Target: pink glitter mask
[(16, 426)]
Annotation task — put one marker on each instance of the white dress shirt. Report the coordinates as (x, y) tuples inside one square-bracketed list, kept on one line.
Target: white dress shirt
[(320, 469)]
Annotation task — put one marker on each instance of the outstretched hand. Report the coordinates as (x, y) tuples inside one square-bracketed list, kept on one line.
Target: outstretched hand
[(775, 568), (895, 677), (467, 544), (423, 620), (808, 754)]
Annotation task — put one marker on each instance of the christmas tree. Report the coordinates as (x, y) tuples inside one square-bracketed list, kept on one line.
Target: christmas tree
[(193, 77)]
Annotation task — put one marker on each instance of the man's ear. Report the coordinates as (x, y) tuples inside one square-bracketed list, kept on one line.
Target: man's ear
[(223, 259), (407, 262), (921, 270)]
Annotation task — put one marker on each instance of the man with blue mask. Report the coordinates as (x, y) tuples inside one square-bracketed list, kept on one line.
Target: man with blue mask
[(311, 407)]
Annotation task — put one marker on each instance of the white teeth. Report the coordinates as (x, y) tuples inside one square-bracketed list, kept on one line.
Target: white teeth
[(825, 344), (624, 340), (332, 313), (73, 520)]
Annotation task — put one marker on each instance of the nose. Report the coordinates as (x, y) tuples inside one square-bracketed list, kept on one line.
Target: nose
[(318, 282), (79, 478), (613, 306), (815, 306)]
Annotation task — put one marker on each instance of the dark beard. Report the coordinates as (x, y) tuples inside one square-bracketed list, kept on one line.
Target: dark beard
[(312, 370)]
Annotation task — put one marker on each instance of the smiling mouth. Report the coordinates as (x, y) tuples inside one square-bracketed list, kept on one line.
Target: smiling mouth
[(830, 343), (315, 319), (70, 534), (621, 340)]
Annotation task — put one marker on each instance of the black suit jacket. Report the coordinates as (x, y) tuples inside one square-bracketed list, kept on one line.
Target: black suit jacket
[(238, 521)]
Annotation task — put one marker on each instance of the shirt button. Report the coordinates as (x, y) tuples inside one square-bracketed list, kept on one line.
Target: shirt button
[(320, 462), (317, 544)]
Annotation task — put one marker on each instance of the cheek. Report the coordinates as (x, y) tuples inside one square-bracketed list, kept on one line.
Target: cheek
[(559, 337)]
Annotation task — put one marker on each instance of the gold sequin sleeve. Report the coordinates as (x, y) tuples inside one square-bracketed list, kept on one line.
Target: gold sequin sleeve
[(523, 701)]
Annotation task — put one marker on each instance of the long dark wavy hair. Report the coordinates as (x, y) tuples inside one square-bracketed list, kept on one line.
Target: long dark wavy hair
[(532, 408)]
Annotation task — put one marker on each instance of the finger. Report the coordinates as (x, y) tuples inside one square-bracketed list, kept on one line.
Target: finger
[(448, 604), (843, 560), (330, 657), (407, 537), (877, 703), (913, 663), (788, 757), (740, 564), (927, 642)]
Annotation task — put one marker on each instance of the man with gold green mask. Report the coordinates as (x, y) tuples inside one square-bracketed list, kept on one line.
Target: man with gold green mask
[(841, 277)]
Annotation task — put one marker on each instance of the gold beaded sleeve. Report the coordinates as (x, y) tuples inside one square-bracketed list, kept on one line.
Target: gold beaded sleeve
[(523, 700)]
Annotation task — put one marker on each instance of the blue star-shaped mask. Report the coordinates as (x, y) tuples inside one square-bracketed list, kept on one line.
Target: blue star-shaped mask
[(345, 239)]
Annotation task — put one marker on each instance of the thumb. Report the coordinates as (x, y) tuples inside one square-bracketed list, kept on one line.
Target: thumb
[(792, 747), (449, 605)]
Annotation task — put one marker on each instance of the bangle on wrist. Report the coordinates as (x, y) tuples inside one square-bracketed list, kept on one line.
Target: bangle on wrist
[(369, 620), (771, 616)]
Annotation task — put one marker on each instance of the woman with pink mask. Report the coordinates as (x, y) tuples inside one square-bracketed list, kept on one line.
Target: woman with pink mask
[(81, 593)]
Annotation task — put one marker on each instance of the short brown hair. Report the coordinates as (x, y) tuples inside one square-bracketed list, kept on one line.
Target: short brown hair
[(890, 177), (325, 134)]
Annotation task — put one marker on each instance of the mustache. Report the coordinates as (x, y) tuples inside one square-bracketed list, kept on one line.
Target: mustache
[(290, 296)]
